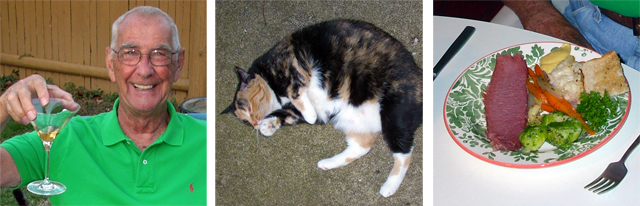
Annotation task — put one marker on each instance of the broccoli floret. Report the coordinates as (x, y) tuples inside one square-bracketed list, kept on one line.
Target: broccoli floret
[(533, 137), (563, 134), (555, 116)]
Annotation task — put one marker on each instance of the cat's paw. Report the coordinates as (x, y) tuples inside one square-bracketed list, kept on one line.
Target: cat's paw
[(269, 126), (390, 186), (310, 116), (331, 163)]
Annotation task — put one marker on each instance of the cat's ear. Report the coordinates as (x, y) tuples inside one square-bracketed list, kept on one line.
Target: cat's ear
[(242, 75), (229, 109)]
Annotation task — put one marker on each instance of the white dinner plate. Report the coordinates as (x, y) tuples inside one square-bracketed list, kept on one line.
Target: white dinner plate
[(465, 120)]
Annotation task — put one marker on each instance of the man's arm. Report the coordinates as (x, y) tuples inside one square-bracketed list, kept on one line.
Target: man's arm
[(9, 175), (542, 17), (15, 103)]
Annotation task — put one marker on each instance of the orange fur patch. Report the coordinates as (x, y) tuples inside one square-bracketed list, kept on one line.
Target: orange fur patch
[(344, 89), (365, 140), (257, 94), (298, 102), (398, 165), (349, 160)]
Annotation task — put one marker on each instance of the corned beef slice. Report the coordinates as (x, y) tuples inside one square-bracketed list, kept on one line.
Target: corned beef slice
[(505, 102)]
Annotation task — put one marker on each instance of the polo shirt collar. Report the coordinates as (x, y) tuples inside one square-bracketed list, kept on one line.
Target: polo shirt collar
[(173, 135)]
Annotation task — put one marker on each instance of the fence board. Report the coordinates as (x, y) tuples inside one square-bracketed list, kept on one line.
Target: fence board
[(164, 6), (91, 39), (48, 40), (135, 3), (20, 35), (75, 30), (4, 31), (39, 31), (150, 3), (47, 36), (12, 21), (19, 27), (68, 52), (186, 27), (29, 27), (198, 51)]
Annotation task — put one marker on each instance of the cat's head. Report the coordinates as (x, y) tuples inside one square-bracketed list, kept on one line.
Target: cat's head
[(253, 99)]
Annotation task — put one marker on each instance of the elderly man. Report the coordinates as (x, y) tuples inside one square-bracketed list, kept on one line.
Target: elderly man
[(142, 152)]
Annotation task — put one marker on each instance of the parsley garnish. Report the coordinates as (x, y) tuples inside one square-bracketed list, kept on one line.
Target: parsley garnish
[(596, 109)]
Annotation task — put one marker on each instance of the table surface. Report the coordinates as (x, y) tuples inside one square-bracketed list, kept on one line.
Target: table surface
[(462, 179)]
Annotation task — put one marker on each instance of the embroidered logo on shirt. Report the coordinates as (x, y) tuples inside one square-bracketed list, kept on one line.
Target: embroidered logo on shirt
[(191, 187)]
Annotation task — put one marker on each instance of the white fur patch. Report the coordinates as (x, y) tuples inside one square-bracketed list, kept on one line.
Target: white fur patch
[(353, 151), (394, 180), (269, 126), (309, 113), (362, 119)]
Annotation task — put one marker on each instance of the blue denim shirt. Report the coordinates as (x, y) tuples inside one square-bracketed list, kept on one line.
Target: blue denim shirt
[(603, 33)]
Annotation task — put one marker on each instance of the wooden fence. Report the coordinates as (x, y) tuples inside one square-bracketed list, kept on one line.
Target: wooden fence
[(65, 40)]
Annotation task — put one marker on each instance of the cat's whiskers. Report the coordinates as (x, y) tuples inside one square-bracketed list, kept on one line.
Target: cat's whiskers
[(257, 138)]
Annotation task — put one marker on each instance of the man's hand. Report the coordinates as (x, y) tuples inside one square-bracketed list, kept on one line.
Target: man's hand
[(16, 103)]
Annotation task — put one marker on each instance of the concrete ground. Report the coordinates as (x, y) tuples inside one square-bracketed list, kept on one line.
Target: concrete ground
[(281, 170)]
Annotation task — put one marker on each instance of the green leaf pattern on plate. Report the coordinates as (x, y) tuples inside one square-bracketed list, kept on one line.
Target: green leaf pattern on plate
[(464, 110)]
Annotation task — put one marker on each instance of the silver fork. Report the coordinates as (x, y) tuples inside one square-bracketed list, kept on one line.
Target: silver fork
[(613, 175)]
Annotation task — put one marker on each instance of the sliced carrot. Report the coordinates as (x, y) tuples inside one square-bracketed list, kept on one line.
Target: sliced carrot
[(563, 105), (547, 107), (540, 73), (537, 92), (549, 101), (538, 70)]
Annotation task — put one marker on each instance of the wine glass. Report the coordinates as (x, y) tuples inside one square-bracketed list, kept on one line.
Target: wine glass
[(48, 123)]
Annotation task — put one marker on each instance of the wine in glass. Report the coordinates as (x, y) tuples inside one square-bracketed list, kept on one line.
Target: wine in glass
[(48, 123)]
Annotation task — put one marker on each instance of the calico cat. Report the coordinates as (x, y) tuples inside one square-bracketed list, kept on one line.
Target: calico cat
[(346, 72)]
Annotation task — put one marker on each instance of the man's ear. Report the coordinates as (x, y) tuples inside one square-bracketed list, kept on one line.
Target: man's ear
[(109, 62), (176, 75)]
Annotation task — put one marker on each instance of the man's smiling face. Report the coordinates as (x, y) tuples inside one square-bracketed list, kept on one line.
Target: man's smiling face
[(144, 87)]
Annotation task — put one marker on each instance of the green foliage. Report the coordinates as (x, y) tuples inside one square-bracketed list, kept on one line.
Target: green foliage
[(8, 80), (49, 80), (110, 97), (597, 109), (25, 55), (175, 103), (81, 91), (13, 128)]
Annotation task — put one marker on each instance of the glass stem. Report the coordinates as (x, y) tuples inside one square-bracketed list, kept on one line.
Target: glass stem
[(46, 181)]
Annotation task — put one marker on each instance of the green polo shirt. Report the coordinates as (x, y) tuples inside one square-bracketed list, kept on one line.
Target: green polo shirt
[(630, 8), (101, 166)]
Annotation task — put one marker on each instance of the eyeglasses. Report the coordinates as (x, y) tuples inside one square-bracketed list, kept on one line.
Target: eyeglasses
[(131, 56)]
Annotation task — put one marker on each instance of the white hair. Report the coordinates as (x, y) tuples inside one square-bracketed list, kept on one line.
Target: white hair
[(148, 10)]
